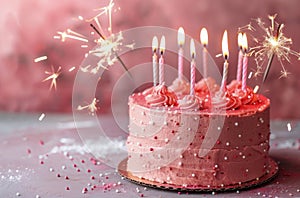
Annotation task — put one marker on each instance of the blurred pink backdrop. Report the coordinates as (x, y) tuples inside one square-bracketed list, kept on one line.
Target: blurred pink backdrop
[(28, 27)]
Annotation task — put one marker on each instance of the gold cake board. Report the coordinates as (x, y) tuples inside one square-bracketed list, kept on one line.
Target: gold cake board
[(272, 171)]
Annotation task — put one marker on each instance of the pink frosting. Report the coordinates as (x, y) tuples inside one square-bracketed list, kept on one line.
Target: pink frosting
[(180, 87), (189, 102), (160, 96), (207, 85), (226, 102)]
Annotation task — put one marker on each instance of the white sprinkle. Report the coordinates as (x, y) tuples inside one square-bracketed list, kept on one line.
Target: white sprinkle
[(250, 75), (189, 129), (227, 143), (84, 46), (151, 122), (298, 190), (244, 157), (18, 194), (238, 192), (256, 88), (225, 158), (42, 116), (40, 59), (80, 18), (117, 191), (289, 127), (51, 169), (247, 170), (72, 68), (137, 190), (181, 156), (166, 140), (219, 128), (165, 123), (216, 166), (145, 188), (178, 138), (168, 178), (193, 175), (213, 193), (180, 163), (236, 124), (239, 135)]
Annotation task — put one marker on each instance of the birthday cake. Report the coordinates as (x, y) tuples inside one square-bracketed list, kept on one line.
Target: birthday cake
[(202, 140)]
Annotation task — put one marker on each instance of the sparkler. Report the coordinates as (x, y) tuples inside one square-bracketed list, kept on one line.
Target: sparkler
[(108, 50), (53, 76), (92, 107), (273, 44)]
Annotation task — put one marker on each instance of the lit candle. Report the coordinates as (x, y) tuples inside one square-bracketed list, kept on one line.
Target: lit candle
[(204, 42), (245, 63), (154, 59), (240, 57), (225, 52), (193, 67), (180, 39), (161, 60)]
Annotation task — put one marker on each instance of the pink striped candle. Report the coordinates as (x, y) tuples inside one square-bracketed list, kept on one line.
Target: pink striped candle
[(245, 63), (204, 42), (161, 60), (225, 52), (240, 57), (193, 67), (154, 60), (181, 40)]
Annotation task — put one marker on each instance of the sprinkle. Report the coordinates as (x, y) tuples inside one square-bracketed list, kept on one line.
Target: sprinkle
[(66, 177), (37, 196), (256, 88), (137, 189), (42, 116), (289, 127), (41, 58), (236, 124), (193, 175), (42, 142), (72, 68), (227, 143), (51, 169), (117, 191), (84, 190), (63, 167), (18, 194)]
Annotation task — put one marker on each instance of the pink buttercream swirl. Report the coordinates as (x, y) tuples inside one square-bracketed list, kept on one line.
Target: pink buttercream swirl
[(226, 101), (190, 102), (247, 97), (180, 87), (160, 96), (207, 85)]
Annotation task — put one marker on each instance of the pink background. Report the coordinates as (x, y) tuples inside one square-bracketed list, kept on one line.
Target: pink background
[(28, 27)]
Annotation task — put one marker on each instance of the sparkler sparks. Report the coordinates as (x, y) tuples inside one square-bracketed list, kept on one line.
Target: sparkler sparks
[(53, 77), (273, 44), (92, 107)]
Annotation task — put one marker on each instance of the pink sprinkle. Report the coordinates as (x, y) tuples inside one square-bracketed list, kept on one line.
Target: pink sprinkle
[(28, 151), (78, 170), (74, 165), (84, 190), (82, 161), (142, 195), (58, 175), (94, 186), (67, 188), (88, 170), (106, 177), (92, 177), (179, 193), (66, 177), (151, 149), (42, 142), (41, 162)]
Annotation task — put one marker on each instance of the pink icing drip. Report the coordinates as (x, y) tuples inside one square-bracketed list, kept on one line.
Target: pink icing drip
[(160, 96)]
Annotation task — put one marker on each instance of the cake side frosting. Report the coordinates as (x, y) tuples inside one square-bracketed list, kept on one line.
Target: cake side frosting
[(166, 142)]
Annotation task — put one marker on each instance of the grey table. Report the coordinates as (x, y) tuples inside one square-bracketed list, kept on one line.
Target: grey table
[(50, 158)]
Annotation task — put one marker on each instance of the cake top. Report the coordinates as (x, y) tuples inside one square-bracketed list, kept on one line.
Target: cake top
[(208, 97)]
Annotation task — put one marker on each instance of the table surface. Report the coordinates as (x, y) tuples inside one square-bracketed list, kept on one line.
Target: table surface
[(53, 158)]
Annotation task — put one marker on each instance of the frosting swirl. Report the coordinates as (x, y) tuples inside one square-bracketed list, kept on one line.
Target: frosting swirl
[(190, 102), (160, 96), (226, 102), (180, 87), (207, 85), (247, 97)]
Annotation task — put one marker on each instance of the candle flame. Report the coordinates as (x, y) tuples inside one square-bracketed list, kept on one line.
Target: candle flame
[(192, 48), (162, 46), (245, 43), (154, 44), (240, 40), (225, 50), (180, 36), (204, 37)]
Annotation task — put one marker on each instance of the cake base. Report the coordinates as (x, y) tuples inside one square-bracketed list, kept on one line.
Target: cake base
[(272, 171)]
